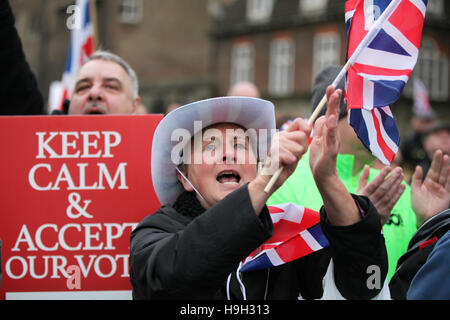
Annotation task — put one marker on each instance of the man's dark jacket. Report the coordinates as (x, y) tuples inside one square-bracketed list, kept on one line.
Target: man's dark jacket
[(19, 92), (185, 252)]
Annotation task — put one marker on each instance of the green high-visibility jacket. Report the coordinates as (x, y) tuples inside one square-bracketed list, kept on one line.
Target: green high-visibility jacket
[(300, 188)]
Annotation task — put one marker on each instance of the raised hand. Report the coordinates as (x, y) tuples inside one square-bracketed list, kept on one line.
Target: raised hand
[(339, 205), (325, 143), (383, 191), (286, 149), (431, 196)]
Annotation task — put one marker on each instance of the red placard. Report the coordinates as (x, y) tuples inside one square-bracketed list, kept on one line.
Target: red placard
[(72, 190)]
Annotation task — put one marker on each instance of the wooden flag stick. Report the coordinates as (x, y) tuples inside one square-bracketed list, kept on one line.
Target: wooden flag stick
[(311, 120)]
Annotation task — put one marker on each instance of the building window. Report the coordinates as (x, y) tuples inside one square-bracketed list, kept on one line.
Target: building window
[(433, 69), (326, 51), (312, 6), (131, 11), (281, 72), (259, 11), (242, 63)]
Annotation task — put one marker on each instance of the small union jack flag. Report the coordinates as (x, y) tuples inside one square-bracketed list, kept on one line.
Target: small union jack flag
[(297, 233)]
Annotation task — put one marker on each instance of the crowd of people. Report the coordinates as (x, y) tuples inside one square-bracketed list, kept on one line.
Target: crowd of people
[(215, 213)]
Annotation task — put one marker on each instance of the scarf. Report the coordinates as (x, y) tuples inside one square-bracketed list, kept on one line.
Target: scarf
[(188, 205)]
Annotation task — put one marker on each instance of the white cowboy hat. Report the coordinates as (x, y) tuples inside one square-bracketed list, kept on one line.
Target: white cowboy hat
[(249, 113)]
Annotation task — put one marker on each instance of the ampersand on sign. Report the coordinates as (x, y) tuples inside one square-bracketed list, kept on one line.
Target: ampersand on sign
[(74, 200)]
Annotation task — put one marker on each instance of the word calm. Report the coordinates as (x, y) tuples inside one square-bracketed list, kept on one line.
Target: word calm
[(49, 176)]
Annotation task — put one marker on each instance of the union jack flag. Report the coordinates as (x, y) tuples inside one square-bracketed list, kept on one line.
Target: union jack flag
[(377, 130), (81, 47), (381, 69), (297, 233)]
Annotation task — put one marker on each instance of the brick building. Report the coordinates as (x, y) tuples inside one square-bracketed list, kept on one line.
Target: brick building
[(189, 50), (165, 41), (282, 45)]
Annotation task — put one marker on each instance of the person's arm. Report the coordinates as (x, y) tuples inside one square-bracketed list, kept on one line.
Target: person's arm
[(350, 223), (358, 252), (432, 282), (170, 259), (19, 92), (337, 201)]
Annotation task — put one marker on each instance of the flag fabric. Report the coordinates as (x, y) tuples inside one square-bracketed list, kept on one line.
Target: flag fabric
[(81, 47), (421, 106), (297, 233), (381, 69), (377, 130), (391, 32)]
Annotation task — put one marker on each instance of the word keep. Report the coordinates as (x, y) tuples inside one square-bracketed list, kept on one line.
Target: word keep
[(72, 144)]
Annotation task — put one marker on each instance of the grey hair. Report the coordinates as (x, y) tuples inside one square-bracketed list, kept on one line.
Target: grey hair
[(108, 56)]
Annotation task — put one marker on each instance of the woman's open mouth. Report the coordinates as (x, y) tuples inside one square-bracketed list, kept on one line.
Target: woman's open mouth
[(228, 177)]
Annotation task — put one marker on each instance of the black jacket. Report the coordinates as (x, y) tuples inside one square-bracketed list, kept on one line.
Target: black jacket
[(185, 252), (19, 92)]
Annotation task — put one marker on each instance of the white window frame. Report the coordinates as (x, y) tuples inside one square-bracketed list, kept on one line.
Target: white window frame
[(259, 11), (131, 11), (326, 51), (312, 6), (282, 67), (432, 68), (242, 63)]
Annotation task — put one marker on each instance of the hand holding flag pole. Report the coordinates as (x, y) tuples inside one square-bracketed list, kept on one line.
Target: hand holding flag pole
[(311, 120), (375, 28)]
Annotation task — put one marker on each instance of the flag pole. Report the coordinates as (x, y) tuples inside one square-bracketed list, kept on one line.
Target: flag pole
[(93, 9), (375, 28)]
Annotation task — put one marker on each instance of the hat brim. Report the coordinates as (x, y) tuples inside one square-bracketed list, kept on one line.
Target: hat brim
[(249, 113)]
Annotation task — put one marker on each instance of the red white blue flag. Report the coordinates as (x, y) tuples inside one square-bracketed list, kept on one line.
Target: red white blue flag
[(381, 68), (383, 46), (297, 233), (377, 130), (81, 47)]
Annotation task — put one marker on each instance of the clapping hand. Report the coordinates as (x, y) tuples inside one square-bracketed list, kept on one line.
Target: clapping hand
[(431, 196), (383, 191)]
